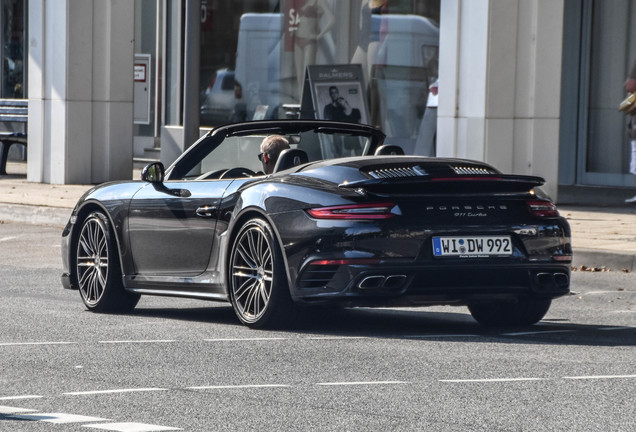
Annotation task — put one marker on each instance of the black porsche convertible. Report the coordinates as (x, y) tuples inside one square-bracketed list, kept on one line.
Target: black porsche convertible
[(344, 219)]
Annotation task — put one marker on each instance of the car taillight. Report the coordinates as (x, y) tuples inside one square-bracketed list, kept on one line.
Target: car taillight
[(355, 211), (542, 208)]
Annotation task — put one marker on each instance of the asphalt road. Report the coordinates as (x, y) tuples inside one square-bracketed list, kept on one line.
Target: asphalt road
[(189, 365)]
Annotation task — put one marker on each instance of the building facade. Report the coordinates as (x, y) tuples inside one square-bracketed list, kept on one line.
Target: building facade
[(531, 86)]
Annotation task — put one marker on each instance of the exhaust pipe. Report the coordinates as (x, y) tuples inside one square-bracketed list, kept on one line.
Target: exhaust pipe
[(371, 282), (394, 281), (391, 282), (547, 281), (561, 279)]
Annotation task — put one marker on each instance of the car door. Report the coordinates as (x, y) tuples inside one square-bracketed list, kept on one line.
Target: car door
[(172, 225)]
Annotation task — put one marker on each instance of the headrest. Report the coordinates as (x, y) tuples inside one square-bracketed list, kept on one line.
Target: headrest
[(290, 158)]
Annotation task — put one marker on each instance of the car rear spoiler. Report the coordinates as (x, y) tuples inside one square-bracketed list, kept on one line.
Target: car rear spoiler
[(488, 183)]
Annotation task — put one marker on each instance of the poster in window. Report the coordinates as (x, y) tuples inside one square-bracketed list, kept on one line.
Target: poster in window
[(340, 102), (337, 93)]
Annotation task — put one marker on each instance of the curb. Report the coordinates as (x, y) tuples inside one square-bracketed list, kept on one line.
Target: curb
[(37, 215), (611, 260)]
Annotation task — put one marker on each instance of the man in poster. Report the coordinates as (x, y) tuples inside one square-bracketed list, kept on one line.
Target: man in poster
[(339, 109)]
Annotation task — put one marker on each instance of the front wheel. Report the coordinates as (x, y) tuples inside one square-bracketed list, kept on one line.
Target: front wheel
[(97, 268), (524, 312), (258, 286)]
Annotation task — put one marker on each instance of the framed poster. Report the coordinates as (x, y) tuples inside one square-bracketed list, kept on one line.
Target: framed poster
[(335, 92)]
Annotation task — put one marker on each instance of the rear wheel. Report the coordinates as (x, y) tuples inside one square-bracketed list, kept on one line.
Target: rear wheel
[(257, 279), (526, 311), (98, 270)]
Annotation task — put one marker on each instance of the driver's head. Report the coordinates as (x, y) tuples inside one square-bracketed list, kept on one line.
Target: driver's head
[(270, 150)]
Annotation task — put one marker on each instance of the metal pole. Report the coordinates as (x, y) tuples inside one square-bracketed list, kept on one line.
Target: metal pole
[(191, 72)]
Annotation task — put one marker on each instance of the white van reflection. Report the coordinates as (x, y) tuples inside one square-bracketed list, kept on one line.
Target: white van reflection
[(400, 68)]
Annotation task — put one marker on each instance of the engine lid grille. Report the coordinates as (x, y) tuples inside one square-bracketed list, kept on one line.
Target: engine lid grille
[(439, 170), (398, 172), (464, 170)]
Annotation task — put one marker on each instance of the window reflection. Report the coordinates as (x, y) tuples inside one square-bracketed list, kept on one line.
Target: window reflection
[(12, 45), (254, 55)]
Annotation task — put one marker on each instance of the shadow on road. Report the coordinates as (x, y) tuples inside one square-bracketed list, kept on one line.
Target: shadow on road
[(412, 325)]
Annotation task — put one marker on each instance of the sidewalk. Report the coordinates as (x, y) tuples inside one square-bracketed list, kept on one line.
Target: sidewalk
[(602, 237)]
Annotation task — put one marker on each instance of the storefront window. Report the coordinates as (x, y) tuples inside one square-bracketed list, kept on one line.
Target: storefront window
[(612, 52), (12, 15), (254, 54)]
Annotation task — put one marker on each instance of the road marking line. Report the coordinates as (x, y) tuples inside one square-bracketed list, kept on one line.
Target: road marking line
[(537, 332), (58, 418), (130, 427), (137, 341), (335, 337), (7, 238), (21, 397), (245, 339), (490, 380), (599, 377), (7, 410), (352, 383), (441, 336), (237, 386), (132, 390), (34, 343)]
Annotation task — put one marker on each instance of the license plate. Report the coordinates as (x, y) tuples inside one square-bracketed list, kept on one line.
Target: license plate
[(482, 246)]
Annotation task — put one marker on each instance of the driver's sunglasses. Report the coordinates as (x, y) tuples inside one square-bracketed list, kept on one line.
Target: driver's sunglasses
[(260, 156)]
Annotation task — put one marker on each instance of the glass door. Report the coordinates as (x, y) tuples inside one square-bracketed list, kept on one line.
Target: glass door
[(608, 51)]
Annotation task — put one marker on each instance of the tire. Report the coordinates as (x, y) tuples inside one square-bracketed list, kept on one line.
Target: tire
[(525, 312), (97, 268), (258, 286)]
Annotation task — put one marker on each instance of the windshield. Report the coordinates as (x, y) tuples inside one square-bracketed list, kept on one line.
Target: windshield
[(242, 151)]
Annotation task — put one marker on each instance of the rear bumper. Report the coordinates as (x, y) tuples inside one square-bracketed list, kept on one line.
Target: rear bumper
[(431, 285)]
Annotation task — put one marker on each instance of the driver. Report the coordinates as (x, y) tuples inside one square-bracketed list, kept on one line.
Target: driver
[(271, 147)]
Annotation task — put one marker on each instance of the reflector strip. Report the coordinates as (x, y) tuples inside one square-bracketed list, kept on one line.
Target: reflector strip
[(351, 261), (566, 258)]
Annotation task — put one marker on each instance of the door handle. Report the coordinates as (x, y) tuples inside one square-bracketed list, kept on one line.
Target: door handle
[(206, 211)]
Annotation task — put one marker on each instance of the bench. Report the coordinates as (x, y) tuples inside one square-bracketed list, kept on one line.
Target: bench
[(12, 111)]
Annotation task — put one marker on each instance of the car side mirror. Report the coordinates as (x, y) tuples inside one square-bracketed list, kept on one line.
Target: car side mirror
[(153, 173)]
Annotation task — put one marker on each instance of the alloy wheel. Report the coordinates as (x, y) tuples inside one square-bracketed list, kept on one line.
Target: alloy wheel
[(252, 272), (92, 260)]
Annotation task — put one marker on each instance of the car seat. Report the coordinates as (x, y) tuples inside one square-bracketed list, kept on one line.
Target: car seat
[(290, 158)]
